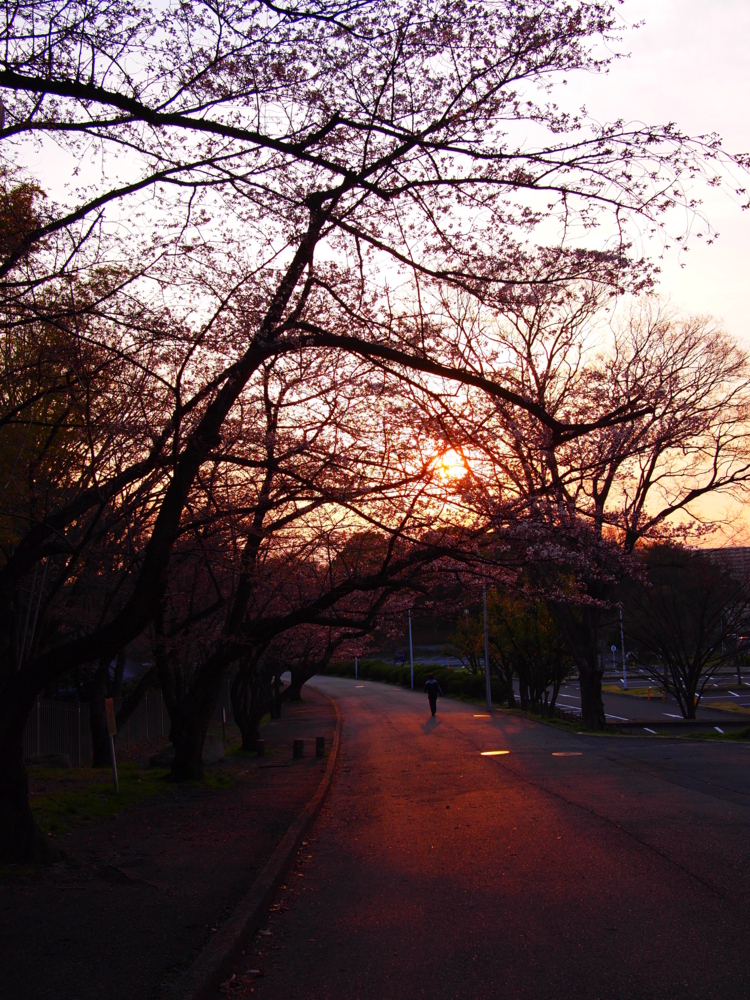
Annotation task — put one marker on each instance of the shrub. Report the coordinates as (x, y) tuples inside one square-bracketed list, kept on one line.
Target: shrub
[(453, 683)]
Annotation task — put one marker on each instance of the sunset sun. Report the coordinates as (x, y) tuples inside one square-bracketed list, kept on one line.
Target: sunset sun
[(450, 465)]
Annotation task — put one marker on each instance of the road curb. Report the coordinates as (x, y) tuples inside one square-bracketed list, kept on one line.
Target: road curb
[(215, 962)]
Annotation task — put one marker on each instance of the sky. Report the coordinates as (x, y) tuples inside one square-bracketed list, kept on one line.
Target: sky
[(689, 63)]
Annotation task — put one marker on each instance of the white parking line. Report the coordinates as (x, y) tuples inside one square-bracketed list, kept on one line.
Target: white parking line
[(652, 731), (618, 717), (671, 715), (719, 730)]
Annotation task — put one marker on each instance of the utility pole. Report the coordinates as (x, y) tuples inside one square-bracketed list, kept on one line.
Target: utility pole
[(624, 664), (486, 651), (411, 653), (355, 668)]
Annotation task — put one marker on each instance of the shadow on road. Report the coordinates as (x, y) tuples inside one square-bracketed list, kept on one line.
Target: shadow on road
[(430, 724)]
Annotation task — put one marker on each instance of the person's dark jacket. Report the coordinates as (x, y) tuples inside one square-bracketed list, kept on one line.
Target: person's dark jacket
[(433, 689)]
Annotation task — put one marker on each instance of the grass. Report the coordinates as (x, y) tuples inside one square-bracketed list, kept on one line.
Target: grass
[(633, 692), (731, 706), (743, 735), (62, 799), (726, 706)]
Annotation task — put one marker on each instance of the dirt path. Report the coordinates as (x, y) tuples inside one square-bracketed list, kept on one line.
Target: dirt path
[(144, 891), (609, 868)]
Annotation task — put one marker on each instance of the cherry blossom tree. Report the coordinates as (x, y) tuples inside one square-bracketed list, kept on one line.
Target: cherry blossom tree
[(273, 180), (576, 510)]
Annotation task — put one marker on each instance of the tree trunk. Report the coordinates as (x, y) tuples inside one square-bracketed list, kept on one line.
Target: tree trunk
[(20, 837), (119, 671), (505, 676), (250, 703), (295, 687), (190, 717), (523, 694), (101, 756), (188, 734), (555, 692), (276, 700), (580, 628), (592, 705), (690, 704)]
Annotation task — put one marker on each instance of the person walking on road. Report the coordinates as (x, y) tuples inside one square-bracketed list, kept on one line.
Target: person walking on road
[(433, 690)]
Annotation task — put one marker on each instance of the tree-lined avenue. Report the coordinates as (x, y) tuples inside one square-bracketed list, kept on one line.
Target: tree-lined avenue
[(573, 866)]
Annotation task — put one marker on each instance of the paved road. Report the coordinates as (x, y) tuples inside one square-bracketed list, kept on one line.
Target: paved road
[(619, 870)]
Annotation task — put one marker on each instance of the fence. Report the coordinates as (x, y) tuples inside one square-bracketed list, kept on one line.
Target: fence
[(64, 726), (59, 727)]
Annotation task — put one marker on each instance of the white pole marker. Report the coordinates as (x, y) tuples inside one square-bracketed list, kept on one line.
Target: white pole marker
[(411, 654), (486, 651)]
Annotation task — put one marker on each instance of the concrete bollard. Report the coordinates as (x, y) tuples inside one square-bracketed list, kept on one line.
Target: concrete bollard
[(320, 746), (260, 748), (299, 748)]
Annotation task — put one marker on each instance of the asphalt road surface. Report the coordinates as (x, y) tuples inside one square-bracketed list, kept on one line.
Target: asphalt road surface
[(572, 866)]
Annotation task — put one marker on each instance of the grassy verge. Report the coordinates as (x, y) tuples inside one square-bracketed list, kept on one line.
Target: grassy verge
[(743, 735), (731, 706), (633, 692), (62, 799)]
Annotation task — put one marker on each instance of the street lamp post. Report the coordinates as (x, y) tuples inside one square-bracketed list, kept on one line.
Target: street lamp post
[(486, 651), (624, 664)]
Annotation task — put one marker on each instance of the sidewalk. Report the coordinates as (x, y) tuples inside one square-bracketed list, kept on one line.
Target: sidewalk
[(143, 892)]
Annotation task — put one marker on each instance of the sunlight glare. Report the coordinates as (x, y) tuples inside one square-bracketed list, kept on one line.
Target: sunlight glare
[(450, 465)]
